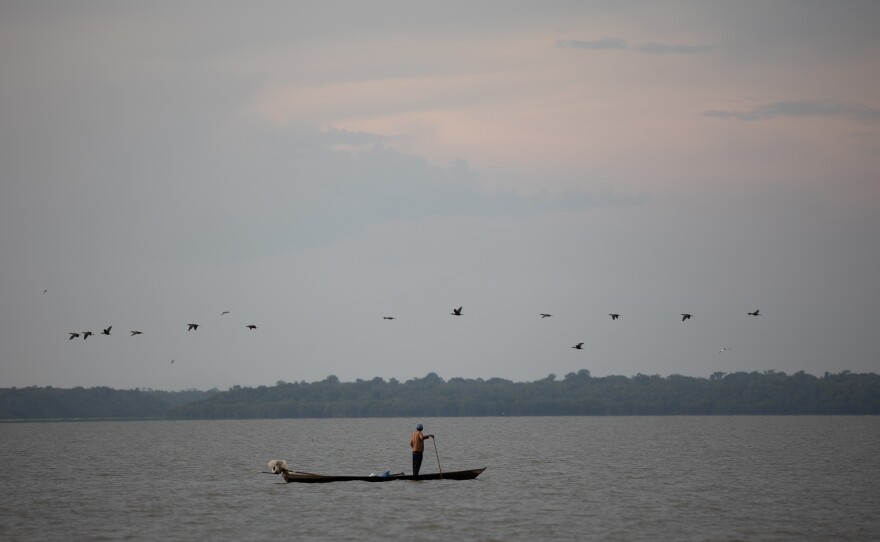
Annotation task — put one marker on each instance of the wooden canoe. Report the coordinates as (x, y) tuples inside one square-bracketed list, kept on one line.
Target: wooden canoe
[(310, 478)]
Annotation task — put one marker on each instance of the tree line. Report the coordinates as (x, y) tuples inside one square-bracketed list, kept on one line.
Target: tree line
[(49, 403), (576, 394)]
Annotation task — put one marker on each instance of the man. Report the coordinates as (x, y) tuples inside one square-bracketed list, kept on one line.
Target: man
[(417, 443)]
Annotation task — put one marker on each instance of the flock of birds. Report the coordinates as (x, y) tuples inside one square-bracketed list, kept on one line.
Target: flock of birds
[(455, 312), (613, 315), (190, 327), (133, 332)]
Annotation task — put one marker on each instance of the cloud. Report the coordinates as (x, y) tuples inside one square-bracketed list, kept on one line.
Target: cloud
[(608, 44), (382, 184), (801, 108), (665, 48), (347, 137), (597, 45), (321, 196)]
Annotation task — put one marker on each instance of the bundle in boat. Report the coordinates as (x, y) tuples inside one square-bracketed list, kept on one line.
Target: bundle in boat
[(278, 465)]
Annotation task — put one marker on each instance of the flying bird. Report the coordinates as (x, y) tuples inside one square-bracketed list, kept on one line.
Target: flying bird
[(73, 336), (388, 318), (224, 312), (251, 327), (44, 291), (725, 349), (107, 330), (456, 312), (133, 333), (579, 346), (172, 361), (192, 327), (756, 313), (86, 334), (685, 316), (614, 316), (545, 315)]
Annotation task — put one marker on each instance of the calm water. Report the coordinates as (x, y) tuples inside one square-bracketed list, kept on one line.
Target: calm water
[(572, 478)]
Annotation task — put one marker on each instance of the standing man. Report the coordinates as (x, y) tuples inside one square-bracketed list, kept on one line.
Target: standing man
[(417, 443)]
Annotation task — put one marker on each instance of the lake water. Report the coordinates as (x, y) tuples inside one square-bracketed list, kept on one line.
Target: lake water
[(566, 478)]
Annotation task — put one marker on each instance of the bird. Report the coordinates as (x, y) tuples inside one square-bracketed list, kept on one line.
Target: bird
[(685, 316), (756, 313), (107, 330), (388, 318), (456, 312), (614, 316), (224, 312), (133, 333), (73, 335), (44, 291), (86, 334), (545, 315), (724, 349), (172, 361), (251, 326), (579, 346), (192, 327)]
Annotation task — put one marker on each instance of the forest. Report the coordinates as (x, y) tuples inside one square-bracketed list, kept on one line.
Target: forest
[(576, 394), (33, 403)]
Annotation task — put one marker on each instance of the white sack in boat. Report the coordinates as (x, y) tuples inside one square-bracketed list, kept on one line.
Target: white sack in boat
[(278, 466)]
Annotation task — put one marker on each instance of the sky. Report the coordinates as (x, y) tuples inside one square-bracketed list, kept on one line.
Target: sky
[(312, 167)]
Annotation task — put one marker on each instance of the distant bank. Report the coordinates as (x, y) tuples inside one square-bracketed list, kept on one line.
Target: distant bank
[(576, 394), (100, 403)]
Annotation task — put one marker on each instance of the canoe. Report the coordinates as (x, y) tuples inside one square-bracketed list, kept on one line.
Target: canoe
[(310, 478)]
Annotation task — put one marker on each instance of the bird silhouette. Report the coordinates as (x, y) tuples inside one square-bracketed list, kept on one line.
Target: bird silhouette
[(251, 327), (725, 349), (685, 316), (388, 318), (545, 315), (614, 316), (73, 335), (756, 313), (44, 291), (456, 312), (224, 312), (192, 327), (133, 333), (86, 334), (107, 330), (579, 346)]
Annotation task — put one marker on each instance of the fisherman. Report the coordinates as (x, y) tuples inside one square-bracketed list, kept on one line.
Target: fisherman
[(417, 443)]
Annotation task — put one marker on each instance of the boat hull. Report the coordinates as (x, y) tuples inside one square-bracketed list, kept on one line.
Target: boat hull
[(309, 478)]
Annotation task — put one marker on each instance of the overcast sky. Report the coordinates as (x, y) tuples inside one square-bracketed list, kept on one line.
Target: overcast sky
[(312, 167)]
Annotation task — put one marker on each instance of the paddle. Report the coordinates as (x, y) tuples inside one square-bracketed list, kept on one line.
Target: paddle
[(438, 456)]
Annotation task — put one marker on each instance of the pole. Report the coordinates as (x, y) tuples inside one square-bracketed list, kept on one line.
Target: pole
[(438, 457)]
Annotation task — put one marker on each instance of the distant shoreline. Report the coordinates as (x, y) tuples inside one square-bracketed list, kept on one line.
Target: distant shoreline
[(76, 420), (66, 420), (765, 393)]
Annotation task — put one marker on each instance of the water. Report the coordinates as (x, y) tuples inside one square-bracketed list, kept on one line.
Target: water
[(570, 478)]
